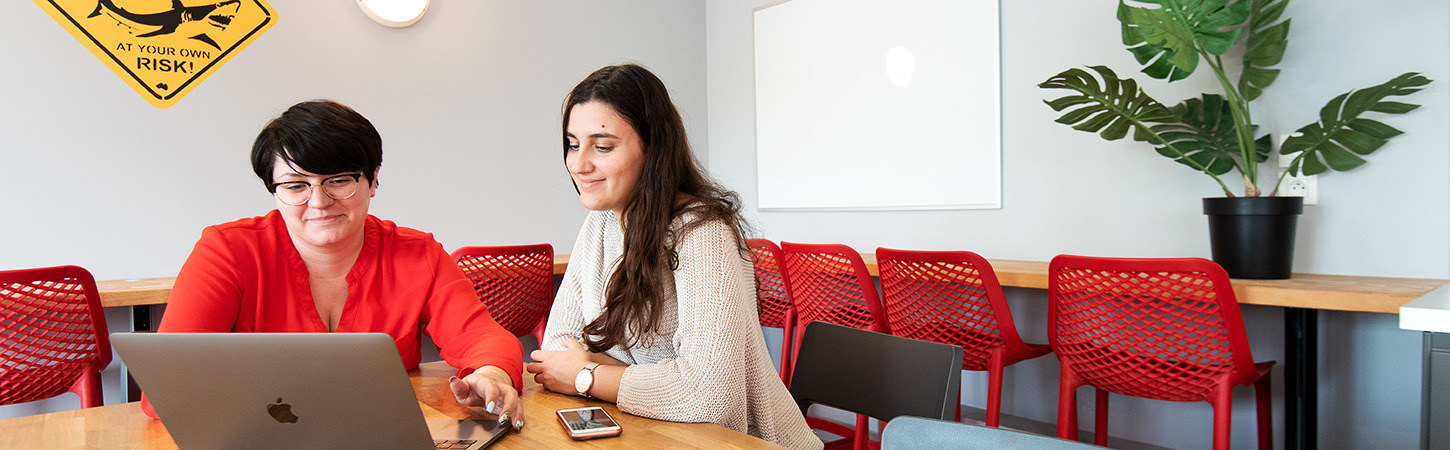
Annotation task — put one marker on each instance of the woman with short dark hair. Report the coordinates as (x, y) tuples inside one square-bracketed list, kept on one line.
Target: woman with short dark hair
[(320, 263)]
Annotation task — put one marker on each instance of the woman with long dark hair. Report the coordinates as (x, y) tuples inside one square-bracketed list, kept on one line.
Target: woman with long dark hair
[(656, 312)]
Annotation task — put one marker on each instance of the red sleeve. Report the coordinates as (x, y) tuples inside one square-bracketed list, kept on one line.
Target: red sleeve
[(466, 334), (206, 295)]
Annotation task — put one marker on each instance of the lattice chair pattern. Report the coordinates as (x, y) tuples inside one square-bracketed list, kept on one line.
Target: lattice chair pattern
[(829, 283), (52, 335), (1167, 329), (953, 297), (515, 281), (773, 299)]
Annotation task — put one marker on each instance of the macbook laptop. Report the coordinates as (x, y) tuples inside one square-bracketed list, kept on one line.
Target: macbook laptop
[(288, 390)]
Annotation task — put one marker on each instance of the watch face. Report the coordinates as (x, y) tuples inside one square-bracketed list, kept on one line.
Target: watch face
[(584, 381)]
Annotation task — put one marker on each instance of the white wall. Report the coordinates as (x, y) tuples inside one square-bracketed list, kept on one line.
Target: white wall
[(467, 102), (1066, 191)]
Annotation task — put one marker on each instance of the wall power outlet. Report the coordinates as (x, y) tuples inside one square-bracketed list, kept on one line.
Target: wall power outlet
[(1306, 186), (1301, 186)]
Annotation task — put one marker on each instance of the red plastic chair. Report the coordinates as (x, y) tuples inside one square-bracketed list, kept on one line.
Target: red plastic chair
[(774, 301), (1165, 329), (829, 283), (515, 281), (953, 297), (52, 335)]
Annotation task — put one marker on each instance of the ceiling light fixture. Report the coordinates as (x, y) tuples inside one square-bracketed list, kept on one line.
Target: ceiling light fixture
[(394, 13)]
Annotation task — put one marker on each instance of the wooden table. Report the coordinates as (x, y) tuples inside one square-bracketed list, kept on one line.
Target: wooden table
[(125, 426), (1304, 290), (1301, 296)]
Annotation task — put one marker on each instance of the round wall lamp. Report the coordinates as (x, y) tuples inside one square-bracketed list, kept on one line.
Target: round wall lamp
[(394, 13)]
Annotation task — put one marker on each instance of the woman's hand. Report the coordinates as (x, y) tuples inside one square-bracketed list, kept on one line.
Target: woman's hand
[(491, 388), (556, 370)]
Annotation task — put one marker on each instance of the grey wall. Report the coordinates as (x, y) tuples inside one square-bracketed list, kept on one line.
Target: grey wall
[(467, 101), (1066, 191)]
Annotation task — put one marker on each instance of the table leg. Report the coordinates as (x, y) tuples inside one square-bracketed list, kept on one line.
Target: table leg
[(1301, 383), (140, 321)]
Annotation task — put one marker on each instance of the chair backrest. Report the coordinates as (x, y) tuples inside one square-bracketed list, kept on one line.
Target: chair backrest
[(911, 433), (1150, 328), (515, 281), (875, 374), (829, 283), (951, 297), (53, 336), (774, 300)]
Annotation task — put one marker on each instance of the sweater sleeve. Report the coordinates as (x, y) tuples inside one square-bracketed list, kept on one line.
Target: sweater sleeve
[(467, 335), (566, 316), (708, 379)]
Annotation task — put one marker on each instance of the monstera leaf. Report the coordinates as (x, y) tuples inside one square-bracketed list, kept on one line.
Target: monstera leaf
[(1214, 134), (1341, 136), (1110, 108), (1205, 137), (1266, 44), (1168, 39)]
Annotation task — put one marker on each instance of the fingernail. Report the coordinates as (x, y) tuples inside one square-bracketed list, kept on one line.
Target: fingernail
[(452, 378), (489, 408), (518, 424), (503, 419)]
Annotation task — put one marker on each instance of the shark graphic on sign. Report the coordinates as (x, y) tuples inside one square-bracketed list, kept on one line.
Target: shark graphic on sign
[(162, 48), (213, 14)]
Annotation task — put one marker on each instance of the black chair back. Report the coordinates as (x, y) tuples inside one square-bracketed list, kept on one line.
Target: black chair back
[(875, 374)]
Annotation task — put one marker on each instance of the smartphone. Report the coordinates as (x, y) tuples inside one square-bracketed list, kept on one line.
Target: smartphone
[(588, 423)]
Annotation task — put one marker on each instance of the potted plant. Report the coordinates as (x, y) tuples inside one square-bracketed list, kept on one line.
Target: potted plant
[(1215, 134)]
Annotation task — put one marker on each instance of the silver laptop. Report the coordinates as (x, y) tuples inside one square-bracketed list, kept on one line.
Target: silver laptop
[(288, 390)]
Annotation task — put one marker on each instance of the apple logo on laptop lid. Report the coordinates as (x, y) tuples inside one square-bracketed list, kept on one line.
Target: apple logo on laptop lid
[(282, 412)]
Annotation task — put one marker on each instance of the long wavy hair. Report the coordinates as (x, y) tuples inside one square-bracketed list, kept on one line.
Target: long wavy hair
[(634, 300)]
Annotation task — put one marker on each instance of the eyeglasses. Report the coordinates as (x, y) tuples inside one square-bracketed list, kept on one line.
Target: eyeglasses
[(297, 193)]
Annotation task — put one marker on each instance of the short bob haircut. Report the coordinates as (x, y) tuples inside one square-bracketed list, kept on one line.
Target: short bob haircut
[(318, 136)]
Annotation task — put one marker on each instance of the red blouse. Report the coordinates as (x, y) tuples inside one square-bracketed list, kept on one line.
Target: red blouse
[(246, 276)]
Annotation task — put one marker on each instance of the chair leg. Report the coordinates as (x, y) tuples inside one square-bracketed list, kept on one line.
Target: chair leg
[(785, 361), (787, 347), (1067, 406), (958, 416), (539, 330), (88, 388), (863, 432), (1223, 409), (1100, 419), (1266, 412), (994, 393)]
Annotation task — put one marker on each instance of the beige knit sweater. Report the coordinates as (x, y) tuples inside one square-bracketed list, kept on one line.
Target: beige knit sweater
[(709, 363)]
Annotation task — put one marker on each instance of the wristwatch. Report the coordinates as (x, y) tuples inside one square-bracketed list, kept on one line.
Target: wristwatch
[(585, 380)]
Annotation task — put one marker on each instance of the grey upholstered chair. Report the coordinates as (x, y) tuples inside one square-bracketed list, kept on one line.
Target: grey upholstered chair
[(911, 433)]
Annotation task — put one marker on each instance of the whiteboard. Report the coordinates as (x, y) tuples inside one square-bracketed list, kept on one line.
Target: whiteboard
[(878, 105)]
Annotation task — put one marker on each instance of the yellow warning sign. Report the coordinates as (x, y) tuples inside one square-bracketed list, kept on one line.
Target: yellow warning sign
[(162, 48)]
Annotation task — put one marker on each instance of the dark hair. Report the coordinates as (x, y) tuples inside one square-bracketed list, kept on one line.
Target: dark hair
[(319, 136), (634, 299)]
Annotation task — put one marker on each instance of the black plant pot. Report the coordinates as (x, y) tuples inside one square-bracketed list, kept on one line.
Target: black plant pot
[(1253, 237)]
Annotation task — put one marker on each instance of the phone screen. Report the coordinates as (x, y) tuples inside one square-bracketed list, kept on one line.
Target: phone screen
[(587, 419)]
